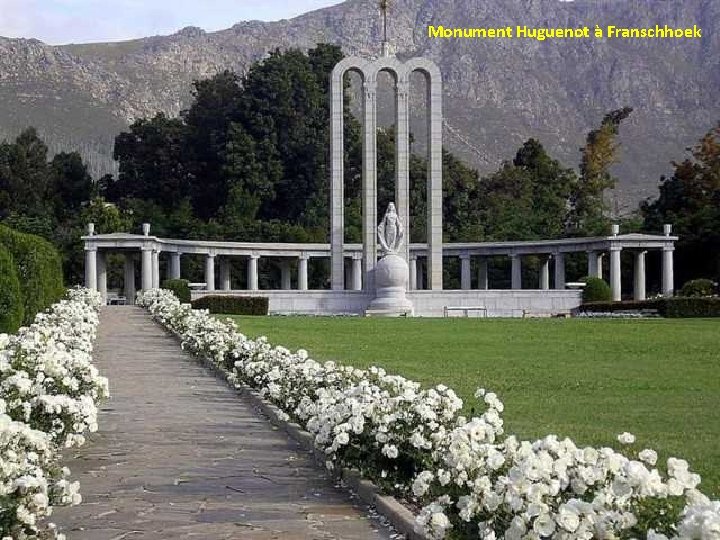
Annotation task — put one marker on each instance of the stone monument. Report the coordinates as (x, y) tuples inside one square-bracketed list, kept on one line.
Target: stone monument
[(391, 272)]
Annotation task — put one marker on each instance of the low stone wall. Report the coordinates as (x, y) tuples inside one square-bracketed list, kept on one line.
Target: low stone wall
[(498, 303)]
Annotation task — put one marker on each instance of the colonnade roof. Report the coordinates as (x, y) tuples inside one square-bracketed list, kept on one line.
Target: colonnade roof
[(124, 241)]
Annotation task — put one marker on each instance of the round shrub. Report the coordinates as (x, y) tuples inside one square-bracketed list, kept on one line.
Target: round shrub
[(596, 290), (697, 288), (11, 301), (39, 269), (180, 288)]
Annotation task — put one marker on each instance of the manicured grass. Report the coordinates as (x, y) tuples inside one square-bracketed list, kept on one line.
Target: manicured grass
[(586, 379)]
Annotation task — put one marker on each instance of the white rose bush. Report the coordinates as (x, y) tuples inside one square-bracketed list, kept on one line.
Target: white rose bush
[(464, 478), (49, 392)]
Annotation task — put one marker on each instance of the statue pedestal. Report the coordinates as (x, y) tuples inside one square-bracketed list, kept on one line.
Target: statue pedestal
[(391, 278)]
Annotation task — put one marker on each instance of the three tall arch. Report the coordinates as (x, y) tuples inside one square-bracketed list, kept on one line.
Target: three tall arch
[(401, 72)]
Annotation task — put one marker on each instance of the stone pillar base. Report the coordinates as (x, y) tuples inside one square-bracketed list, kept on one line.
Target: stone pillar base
[(391, 278)]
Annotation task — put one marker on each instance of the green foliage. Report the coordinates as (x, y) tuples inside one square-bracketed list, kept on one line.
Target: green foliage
[(25, 186), (179, 287), (609, 306), (589, 216), (11, 301), (690, 201), (233, 305), (71, 182), (39, 269), (657, 514), (528, 198), (674, 308), (152, 162), (690, 307), (697, 287), (596, 290)]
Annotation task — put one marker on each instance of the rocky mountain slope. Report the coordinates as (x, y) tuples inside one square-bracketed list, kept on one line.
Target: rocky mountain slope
[(497, 92)]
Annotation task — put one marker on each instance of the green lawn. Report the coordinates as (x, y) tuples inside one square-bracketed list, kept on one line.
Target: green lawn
[(587, 379)]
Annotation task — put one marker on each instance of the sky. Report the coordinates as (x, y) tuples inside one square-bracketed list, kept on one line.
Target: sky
[(81, 21)]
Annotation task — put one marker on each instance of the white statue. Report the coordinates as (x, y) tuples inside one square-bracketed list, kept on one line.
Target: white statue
[(390, 231), (391, 272)]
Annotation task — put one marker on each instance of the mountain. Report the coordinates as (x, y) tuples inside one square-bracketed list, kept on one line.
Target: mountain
[(498, 92)]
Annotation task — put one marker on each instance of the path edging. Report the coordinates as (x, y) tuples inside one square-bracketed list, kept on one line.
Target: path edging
[(399, 516)]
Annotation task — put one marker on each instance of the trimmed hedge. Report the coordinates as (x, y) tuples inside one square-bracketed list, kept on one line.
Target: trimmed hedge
[(697, 288), (39, 270), (11, 301), (233, 305), (677, 307), (180, 288), (691, 307), (596, 290)]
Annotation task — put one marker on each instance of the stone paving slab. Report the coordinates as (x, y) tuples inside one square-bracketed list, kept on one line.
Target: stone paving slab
[(180, 455)]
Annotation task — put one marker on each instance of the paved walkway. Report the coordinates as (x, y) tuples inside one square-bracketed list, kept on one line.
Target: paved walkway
[(180, 455)]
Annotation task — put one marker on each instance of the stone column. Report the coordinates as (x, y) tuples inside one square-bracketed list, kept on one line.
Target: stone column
[(285, 283), (600, 265), (146, 269), (174, 266), (225, 274), (369, 185), (560, 271), (465, 271), (252, 273), (639, 276), (357, 273), (337, 202), (303, 272), (420, 277), (156, 268), (102, 275), (210, 272), (412, 283), (129, 282), (516, 275), (592, 259), (668, 271), (483, 283), (91, 268), (402, 161), (615, 278), (434, 186), (544, 272)]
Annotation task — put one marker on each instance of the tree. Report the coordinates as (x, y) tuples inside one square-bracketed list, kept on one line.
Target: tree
[(528, 198), (215, 107), (690, 201), (25, 185), (250, 183), (598, 155), (552, 189), (152, 162), (72, 184)]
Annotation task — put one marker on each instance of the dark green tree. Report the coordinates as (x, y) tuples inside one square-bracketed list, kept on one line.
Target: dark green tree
[(216, 105), (690, 201), (152, 163), (71, 183), (25, 185), (528, 198)]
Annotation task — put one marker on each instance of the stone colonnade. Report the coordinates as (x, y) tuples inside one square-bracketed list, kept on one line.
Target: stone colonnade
[(614, 246), (148, 250), (401, 72)]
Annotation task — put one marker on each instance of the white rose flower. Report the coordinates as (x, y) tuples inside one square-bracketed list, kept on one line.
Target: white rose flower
[(648, 456)]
